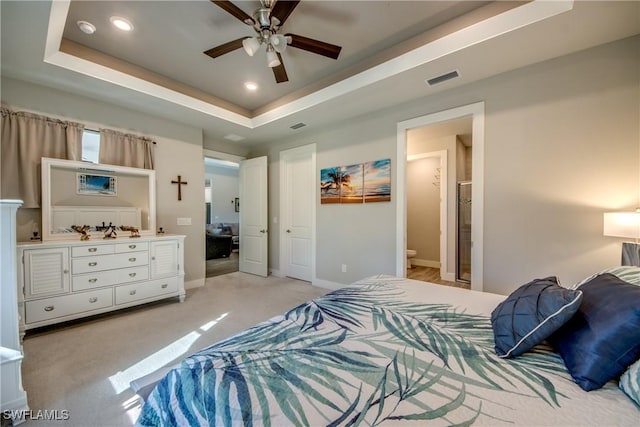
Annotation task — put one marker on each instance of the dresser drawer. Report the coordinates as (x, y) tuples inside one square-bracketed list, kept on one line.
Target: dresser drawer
[(138, 291), (133, 274), (109, 262), (132, 246), (50, 308), (98, 279), (90, 250)]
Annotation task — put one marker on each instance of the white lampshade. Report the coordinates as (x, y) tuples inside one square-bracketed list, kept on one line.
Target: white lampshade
[(272, 58), (251, 45), (279, 42), (622, 224)]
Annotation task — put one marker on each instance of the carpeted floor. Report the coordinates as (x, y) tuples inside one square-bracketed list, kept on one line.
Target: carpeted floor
[(85, 367)]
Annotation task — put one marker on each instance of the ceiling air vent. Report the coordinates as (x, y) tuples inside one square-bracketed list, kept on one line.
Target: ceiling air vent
[(442, 78), (298, 126)]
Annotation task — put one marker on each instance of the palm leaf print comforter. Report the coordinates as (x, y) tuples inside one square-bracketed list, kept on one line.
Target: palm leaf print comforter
[(384, 351)]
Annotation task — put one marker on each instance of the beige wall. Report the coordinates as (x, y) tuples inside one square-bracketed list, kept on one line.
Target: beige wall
[(561, 147), (423, 209), (178, 152)]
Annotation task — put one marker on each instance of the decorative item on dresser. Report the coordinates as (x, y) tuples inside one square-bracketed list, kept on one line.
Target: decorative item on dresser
[(13, 398), (60, 281)]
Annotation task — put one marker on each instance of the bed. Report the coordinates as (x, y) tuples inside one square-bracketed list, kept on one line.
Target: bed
[(384, 351)]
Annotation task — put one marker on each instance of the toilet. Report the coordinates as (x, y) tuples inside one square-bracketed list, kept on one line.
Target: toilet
[(410, 254)]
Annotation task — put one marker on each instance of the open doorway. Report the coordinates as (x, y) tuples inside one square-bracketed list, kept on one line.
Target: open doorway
[(222, 205), (460, 133)]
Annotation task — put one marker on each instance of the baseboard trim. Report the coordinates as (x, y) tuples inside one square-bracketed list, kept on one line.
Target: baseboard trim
[(425, 263), (449, 277), (326, 284), (197, 283)]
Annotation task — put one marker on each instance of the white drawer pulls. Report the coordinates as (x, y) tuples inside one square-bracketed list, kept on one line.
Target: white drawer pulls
[(49, 308)]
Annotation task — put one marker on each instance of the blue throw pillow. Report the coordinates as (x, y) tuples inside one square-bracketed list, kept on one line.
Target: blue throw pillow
[(530, 314), (603, 338)]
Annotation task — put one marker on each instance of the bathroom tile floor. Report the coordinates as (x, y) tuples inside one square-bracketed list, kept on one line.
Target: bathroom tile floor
[(432, 275)]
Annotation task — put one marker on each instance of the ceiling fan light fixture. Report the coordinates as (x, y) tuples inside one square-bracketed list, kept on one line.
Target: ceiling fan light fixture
[(251, 45), (272, 58), (279, 42)]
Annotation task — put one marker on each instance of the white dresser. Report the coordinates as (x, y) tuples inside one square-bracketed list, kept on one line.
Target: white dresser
[(12, 396), (66, 280)]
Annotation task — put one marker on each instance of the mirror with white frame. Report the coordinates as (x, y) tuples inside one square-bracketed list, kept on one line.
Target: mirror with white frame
[(94, 196)]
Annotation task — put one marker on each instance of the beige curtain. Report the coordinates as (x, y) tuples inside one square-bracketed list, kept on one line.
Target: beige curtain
[(122, 149), (26, 138)]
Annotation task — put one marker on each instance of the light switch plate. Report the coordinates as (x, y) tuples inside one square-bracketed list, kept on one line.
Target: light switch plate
[(184, 221)]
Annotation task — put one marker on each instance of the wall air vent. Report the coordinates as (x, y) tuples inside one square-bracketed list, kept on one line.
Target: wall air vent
[(442, 78), (298, 126)]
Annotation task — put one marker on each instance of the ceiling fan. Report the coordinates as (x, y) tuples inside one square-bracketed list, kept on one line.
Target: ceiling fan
[(266, 22)]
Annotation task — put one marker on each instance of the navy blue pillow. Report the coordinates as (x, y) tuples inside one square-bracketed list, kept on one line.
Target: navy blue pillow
[(530, 314), (603, 338)]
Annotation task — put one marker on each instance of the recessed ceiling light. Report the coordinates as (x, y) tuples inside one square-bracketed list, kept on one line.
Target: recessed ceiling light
[(234, 137), (121, 23), (86, 27), (251, 86)]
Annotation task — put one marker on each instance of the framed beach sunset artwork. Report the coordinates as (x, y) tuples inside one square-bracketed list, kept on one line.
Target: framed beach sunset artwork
[(360, 183)]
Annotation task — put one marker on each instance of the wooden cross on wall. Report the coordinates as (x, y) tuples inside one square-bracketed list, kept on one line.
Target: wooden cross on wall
[(180, 182)]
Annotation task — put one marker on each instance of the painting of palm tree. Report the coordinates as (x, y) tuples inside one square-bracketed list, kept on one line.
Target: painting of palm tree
[(365, 182)]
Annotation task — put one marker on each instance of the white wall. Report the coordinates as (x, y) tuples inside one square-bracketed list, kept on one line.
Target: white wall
[(225, 187), (178, 152), (561, 147)]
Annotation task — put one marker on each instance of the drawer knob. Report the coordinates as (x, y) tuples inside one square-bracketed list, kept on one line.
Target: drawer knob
[(132, 292), (65, 271), (93, 280), (132, 246), (132, 274), (93, 264), (165, 286), (93, 299), (49, 308), (132, 259), (92, 249)]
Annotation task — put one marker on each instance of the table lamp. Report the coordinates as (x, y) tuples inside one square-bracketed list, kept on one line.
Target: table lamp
[(625, 224)]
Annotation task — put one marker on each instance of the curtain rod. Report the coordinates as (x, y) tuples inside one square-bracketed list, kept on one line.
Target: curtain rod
[(98, 131)]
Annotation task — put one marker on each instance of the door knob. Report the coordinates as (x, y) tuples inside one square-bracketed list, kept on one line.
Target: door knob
[(263, 231), (288, 231)]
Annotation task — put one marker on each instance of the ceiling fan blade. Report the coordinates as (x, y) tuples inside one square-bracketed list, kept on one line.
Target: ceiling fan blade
[(214, 52), (314, 46), (235, 11), (279, 72), (283, 9)]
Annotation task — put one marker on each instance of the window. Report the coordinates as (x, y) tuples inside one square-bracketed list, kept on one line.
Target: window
[(90, 146)]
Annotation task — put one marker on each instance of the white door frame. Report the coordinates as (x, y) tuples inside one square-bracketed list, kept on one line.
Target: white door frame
[(444, 203), (284, 194), (476, 111)]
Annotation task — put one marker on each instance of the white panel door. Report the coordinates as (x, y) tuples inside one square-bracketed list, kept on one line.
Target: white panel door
[(297, 194), (253, 217)]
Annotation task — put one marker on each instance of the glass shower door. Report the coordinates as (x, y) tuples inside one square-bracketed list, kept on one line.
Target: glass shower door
[(463, 235)]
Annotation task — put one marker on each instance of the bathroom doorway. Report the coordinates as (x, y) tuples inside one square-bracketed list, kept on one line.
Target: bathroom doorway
[(459, 132)]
